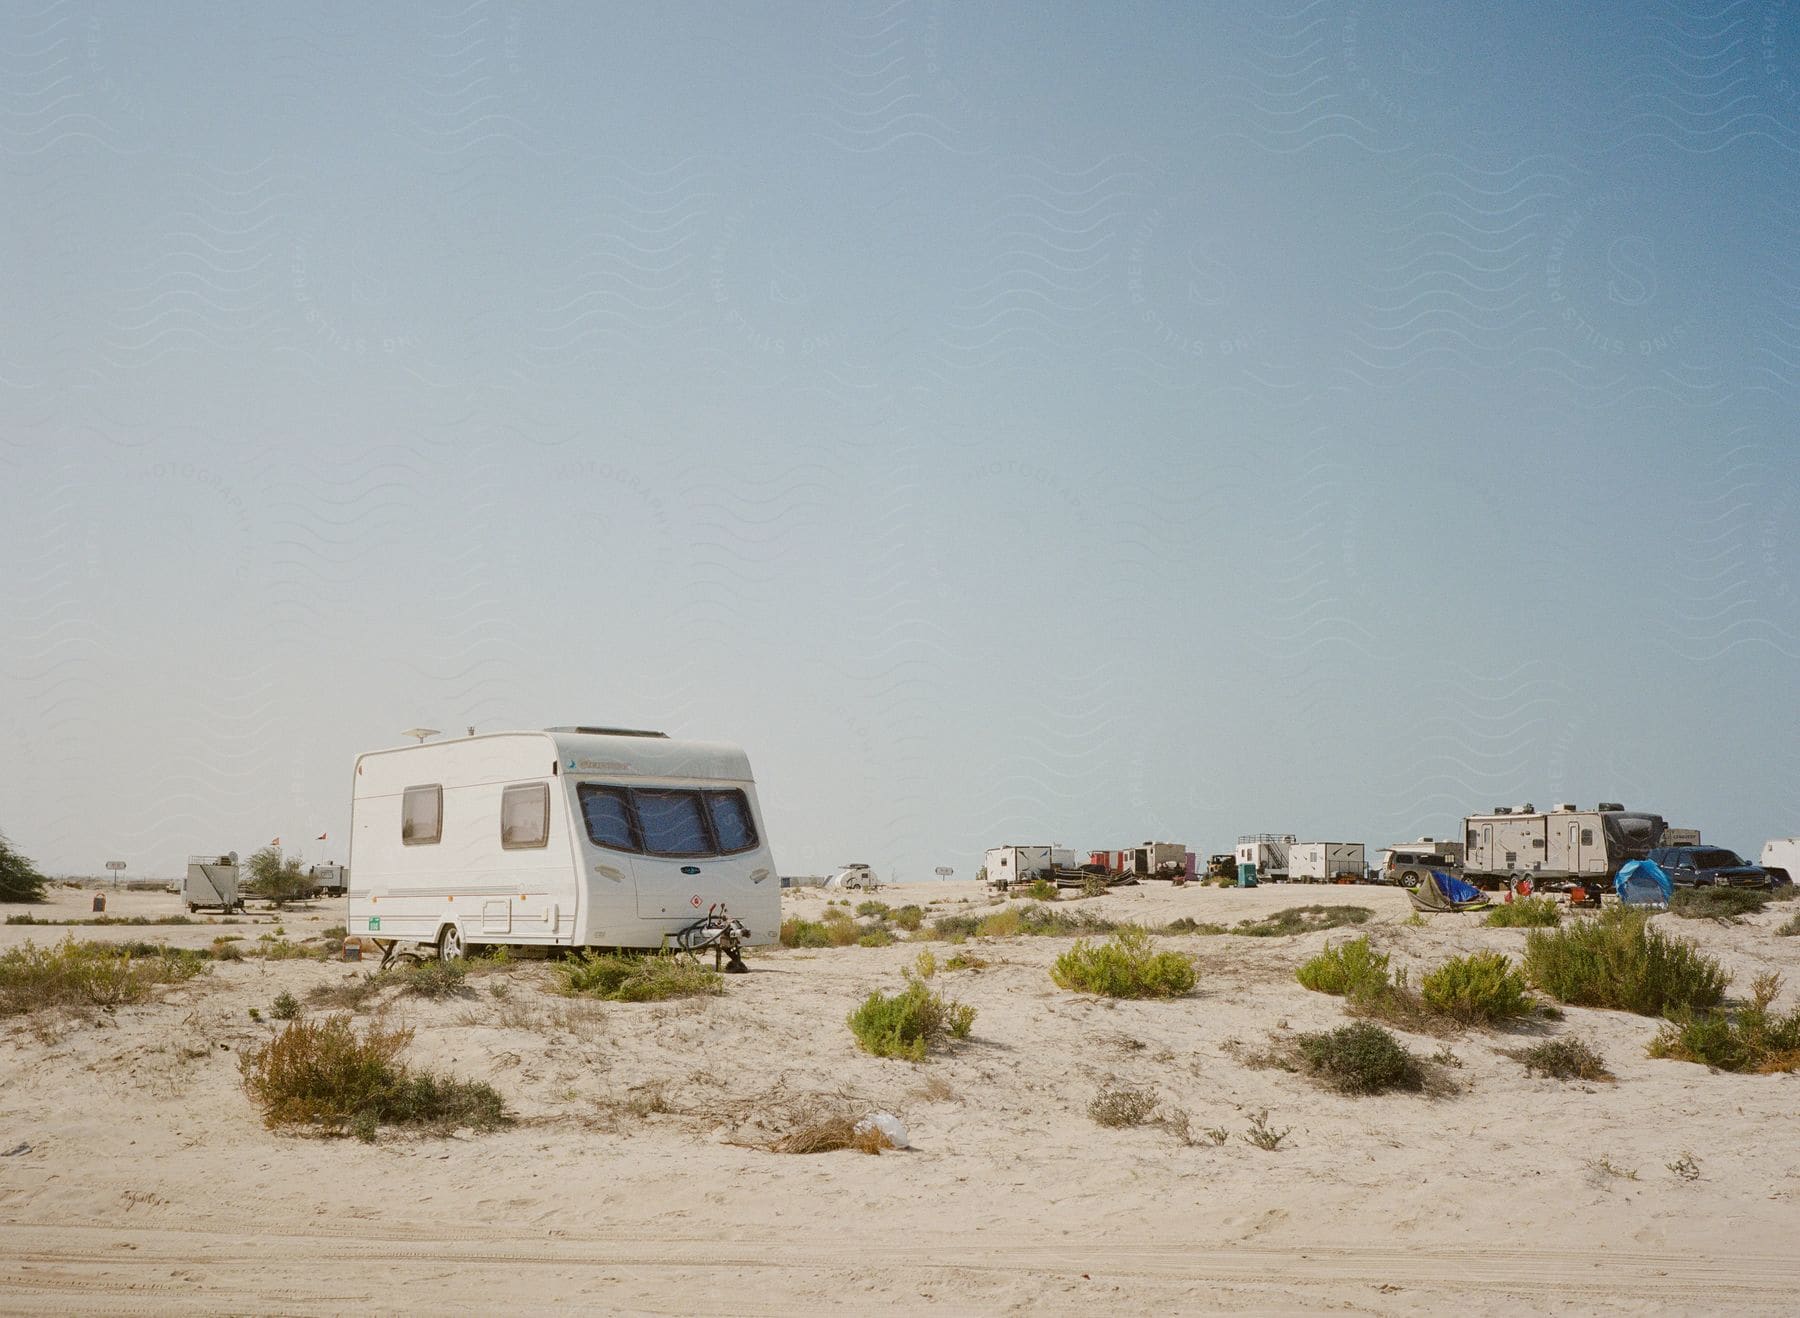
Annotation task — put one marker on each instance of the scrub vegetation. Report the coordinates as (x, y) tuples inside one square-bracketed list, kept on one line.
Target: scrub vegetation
[(1126, 966), (1620, 960), (655, 978), (82, 975)]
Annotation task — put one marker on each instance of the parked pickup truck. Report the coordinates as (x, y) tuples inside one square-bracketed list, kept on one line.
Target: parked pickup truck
[(1702, 867)]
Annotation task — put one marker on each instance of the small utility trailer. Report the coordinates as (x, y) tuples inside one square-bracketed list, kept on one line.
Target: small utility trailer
[(212, 881)]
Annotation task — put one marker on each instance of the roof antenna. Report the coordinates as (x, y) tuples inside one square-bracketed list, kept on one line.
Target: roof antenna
[(420, 733), (471, 729)]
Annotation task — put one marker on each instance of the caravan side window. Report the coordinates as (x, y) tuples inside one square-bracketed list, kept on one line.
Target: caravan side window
[(525, 816), (732, 826), (422, 815), (607, 813)]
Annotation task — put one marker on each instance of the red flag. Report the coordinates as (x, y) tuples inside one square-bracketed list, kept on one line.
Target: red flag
[(275, 842), (320, 838)]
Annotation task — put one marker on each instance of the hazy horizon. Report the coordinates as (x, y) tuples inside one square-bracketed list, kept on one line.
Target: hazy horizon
[(1077, 425)]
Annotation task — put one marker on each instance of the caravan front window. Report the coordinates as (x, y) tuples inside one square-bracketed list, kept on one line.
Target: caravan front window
[(732, 826), (607, 813), (671, 821)]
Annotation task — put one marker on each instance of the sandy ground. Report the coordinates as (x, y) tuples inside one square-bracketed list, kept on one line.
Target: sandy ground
[(136, 1177)]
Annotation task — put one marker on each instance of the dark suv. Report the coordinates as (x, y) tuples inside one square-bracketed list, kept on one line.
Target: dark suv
[(1701, 867)]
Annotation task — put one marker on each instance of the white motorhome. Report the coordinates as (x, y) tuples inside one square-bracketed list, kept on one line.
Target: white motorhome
[(1323, 862), (1566, 843), (570, 837), (1267, 853)]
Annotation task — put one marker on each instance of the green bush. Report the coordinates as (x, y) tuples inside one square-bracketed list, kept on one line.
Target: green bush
[(910, 918), (908, 1024), (1352, 969), (435, 979), (1042, 890), (637, 978), (1362, 1058), (20, 880), (872, 908), (326, 1076), (1563, 1059), (270, 875), (1619, 960), (1125, 967), (1477, 989), (1754, 1038), (1303, 920), (75, 974), (875, 938), (1526, 913), (285, 1007), (1717, 903)]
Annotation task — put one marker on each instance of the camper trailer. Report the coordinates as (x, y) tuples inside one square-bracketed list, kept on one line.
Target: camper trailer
[(1156, 860), (329, 880), (570, 837), (855, 876), (1566, 844), (1325, 862), (1265, 853), (1013, 864), (212, 881)]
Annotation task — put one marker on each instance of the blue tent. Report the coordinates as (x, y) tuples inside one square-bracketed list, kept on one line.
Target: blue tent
[(1643, 883), (1439, 891)]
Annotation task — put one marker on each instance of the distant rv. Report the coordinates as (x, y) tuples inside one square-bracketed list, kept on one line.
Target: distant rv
[(1566, 844), (570, 837)]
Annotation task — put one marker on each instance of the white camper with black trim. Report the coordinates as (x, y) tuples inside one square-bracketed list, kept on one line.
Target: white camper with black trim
[(570, 837)]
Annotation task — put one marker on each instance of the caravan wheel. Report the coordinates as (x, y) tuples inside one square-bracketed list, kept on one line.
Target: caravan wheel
[(450, 943)]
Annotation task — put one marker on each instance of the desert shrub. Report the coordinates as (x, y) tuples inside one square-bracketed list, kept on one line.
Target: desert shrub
[(1122, 1107), (1562, 1059), (965, 961), (276, 878), (20, 880), (285, 1007), (908, 1024), (1753, 1038), (796, 932), (1187, 924), (1350, 969), (872, 908), (354, 992), (924, 965), (1041, 890), (1095, 885), (435, 979), (282, 949), (226, 949), (1791, 928), (1127, 966), (1477, 989), (637, 978), (1362, 1058), (1619, 960), (875, 938), (1303, 920), (1717, 903), (326, 1076), (73, 974), (1526, 913), (909, 918)]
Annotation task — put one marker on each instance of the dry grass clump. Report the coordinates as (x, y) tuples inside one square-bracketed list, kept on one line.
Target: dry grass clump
[(829, 1134), (1717, 903), (910, 918), (1789, 929), (1753, 1038), (637, 978), (1525, 913), (1303, 920), (908, 1024), (270, 948), (1126, 966), (834, 928), (1016, 921), (325, 1076), (1118, 1108), (1361, 1058), (1563, 1059), (1619, 960), (1477, 989), (81, 975), (354, 992), (1187, 924)]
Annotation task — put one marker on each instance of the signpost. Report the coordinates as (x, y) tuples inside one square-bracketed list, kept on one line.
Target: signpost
[(115, 866), (944, 871)]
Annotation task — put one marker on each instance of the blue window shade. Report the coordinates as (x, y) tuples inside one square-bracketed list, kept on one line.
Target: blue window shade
[(608, 818), (731, 822), (672, 822)]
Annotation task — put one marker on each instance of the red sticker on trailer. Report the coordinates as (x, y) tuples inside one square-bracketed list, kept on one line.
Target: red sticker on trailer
[(696, 901)]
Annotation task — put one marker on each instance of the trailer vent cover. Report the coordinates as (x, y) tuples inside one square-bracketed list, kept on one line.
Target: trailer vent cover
[(1567, 807)]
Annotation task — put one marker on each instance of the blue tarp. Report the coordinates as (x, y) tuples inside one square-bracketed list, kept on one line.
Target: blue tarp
[(1456, 889), (1643, 883)]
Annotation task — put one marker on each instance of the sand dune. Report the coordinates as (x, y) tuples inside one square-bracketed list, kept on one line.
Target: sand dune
[(631, 1182)]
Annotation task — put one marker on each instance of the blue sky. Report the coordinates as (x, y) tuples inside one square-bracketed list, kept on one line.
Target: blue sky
[(1077, 424)]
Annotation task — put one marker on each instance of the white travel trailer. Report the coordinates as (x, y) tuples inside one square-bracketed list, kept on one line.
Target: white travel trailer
[(1564, 844), (1267, 853), (570, 837), (1022, 864), (1782, 853), (1322, 862)]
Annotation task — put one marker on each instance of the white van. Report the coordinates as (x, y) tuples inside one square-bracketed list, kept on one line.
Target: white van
[(570, 837)]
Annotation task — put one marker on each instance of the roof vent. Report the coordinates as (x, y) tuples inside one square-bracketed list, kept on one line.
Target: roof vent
[(611, 732), (1503, 809), (1527, 809), (1609, 805), (1567, 807)]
